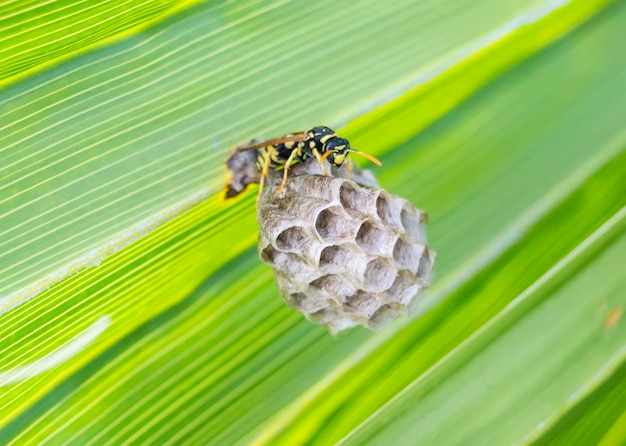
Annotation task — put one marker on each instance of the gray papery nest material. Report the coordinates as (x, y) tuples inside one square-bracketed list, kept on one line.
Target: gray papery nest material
[(344, 252)]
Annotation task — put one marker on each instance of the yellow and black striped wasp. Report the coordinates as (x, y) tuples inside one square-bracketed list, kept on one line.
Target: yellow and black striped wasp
[(318, 142)]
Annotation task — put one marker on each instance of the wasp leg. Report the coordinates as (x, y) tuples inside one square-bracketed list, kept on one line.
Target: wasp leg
[(264, 173), (318, 157), (285, 170)]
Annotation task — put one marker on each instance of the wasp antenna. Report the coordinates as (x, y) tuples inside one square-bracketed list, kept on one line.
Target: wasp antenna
[(368, 156), (325, 155)]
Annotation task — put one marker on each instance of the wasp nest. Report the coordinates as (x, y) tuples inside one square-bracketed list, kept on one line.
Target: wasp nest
[(344, 252)]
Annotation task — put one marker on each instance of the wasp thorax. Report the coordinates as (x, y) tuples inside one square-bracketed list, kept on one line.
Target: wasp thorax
[(344, 252)]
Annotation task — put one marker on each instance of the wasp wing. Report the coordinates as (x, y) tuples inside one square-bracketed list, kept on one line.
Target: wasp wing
[(272, 142)]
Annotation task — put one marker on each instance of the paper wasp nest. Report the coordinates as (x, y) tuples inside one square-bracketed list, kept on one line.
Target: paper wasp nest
[(344, 252)]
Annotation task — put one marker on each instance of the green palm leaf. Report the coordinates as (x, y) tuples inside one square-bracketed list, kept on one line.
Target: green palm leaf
[(133, 308)]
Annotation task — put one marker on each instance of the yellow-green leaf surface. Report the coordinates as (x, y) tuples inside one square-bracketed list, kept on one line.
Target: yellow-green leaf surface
[(95, 152), (134, 309), (38, 34), (471, 388), (598, 419)]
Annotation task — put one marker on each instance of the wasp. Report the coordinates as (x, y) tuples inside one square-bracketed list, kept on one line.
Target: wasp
[(318, 142)]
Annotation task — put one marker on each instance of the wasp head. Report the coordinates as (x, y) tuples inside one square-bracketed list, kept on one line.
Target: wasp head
[(337, 149)]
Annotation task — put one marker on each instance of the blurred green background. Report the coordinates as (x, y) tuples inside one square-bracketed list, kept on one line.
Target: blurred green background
[(134, 309)]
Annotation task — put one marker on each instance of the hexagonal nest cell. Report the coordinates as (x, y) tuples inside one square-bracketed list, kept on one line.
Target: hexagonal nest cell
[(292, 239), (373, 238), (403, 289), (379, 274), (386, 208), (333, 224), (335, 256), (351, 196), (406, 254), (344, 254), (361, 303), (385, 315), (414, 222), (335, 286)]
